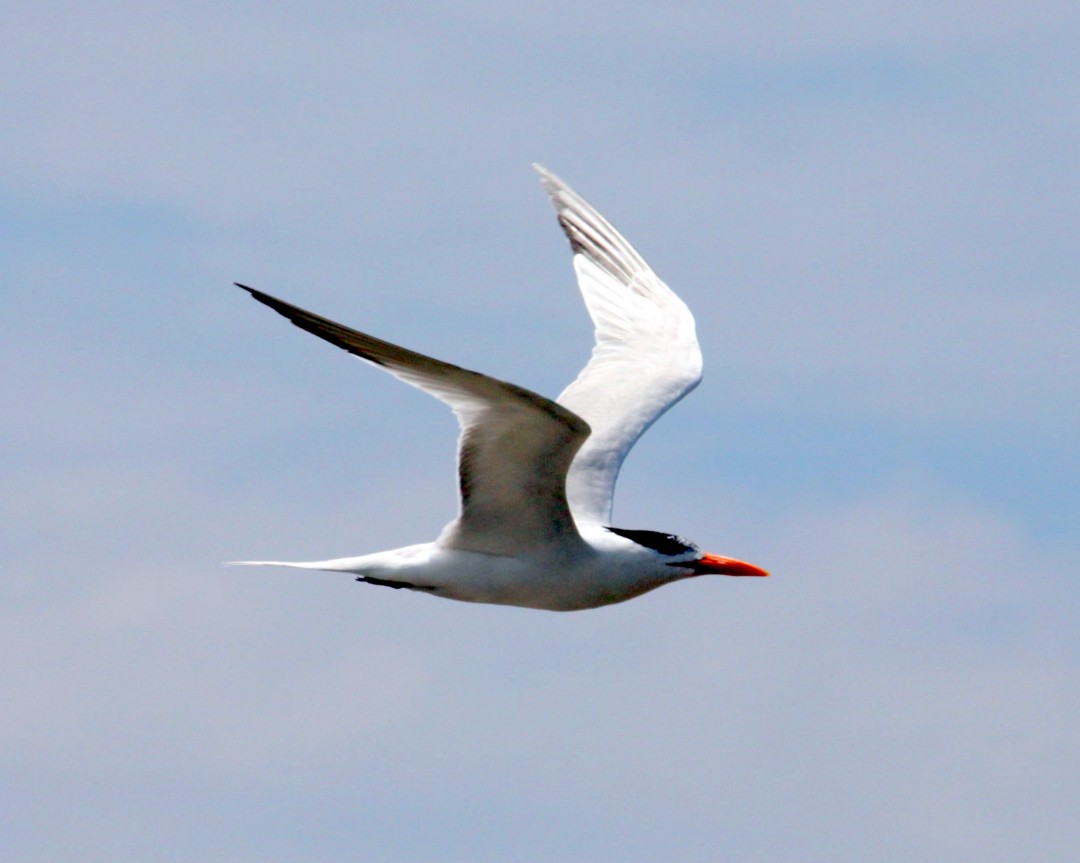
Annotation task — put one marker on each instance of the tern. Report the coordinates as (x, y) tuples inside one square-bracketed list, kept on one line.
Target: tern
[(537, 477)]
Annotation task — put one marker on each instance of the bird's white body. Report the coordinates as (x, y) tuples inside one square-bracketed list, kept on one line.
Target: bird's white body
[(604, 570), (536, 476)]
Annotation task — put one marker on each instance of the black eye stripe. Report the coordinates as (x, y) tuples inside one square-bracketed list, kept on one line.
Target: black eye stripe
[(662, 543)]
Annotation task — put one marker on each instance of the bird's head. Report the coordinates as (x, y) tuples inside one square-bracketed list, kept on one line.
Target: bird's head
[(686, 555)]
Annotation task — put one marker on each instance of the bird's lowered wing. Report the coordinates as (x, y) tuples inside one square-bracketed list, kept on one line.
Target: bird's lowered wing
[(646, 355), (513, 454)]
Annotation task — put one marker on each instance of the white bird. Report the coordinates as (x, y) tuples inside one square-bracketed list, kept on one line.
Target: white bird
[(537, 476)]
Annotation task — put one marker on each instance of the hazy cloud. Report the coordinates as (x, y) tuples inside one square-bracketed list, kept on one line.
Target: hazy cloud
[(870, 211)]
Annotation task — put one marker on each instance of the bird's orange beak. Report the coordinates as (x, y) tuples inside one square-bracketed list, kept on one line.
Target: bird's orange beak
[(714, 564)]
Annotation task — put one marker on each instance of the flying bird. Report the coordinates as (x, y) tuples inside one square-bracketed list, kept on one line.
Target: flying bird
[(537, 477)]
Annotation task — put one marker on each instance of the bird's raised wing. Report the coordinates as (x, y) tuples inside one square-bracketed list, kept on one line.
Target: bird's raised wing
[(513, 453), (646, 356)]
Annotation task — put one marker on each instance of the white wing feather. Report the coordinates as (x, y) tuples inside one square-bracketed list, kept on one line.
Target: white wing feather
[(645, 359)]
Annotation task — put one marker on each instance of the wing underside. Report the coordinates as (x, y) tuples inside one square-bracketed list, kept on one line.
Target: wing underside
[(513, 453), (646, 355)]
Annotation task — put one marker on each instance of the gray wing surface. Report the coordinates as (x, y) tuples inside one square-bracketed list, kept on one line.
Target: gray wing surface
[(513, 453)]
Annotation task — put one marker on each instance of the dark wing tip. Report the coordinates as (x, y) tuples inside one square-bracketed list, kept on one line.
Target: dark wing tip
[(293, 313), (259, 295)]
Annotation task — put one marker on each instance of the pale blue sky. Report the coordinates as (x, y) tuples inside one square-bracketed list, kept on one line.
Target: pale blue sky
[(872, 212)]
